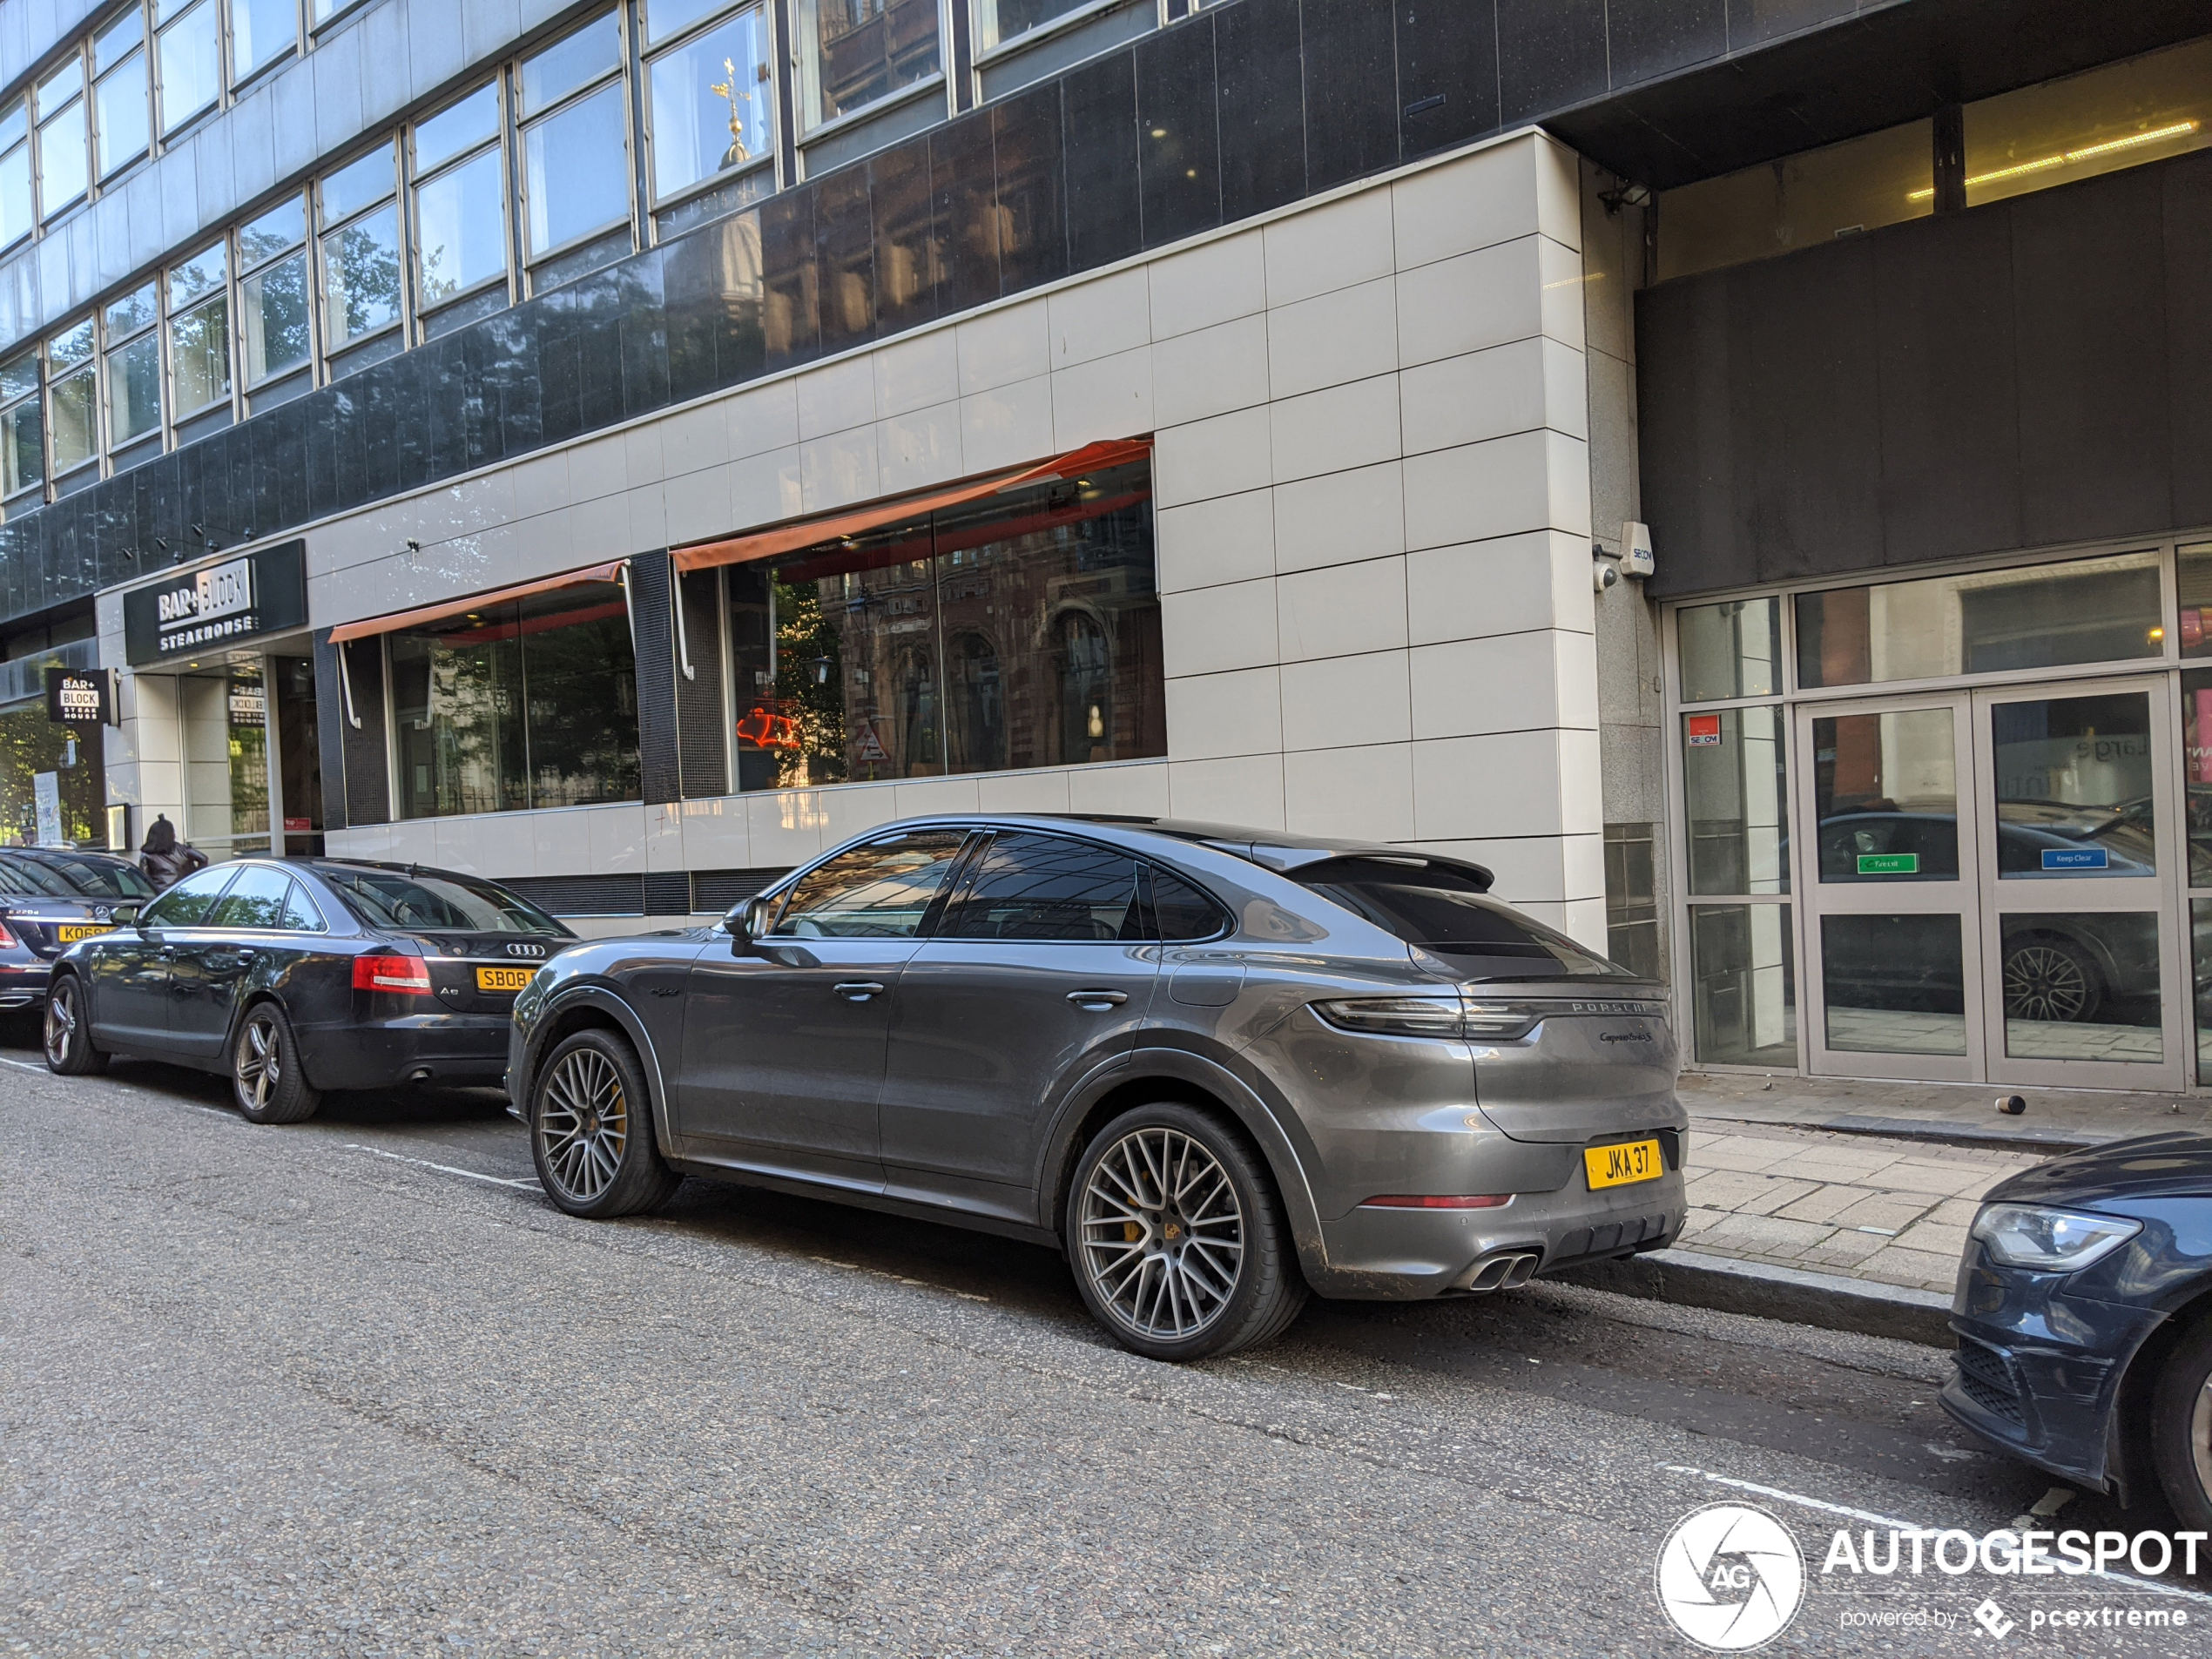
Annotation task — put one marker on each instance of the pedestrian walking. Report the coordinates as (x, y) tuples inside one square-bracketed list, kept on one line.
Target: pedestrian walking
[(166, 860)]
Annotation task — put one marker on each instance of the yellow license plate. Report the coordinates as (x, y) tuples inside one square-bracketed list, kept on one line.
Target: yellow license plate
[(68, 932), (1622, 1164), (503, 978)]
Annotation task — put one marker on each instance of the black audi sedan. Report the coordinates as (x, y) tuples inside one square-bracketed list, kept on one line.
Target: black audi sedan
[(296, 975), (50, 898), (2084, 1319)]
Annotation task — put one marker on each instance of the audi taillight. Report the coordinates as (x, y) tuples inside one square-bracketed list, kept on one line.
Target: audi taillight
[(410, 975)]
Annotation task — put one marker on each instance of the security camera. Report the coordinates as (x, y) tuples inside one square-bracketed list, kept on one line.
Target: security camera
[(1602, 575)]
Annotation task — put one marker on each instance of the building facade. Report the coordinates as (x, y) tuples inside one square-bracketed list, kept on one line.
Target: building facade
[(624, 451)]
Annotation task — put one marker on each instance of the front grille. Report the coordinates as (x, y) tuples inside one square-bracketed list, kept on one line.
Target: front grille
[(1986, 1378)]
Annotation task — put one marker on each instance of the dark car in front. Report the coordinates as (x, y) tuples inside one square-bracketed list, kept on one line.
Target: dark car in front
[(297, 976), (49, 899), (2084, 1319)]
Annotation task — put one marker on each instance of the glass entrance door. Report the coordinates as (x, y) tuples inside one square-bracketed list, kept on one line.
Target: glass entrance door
[(1892, 879), (2082, 859)]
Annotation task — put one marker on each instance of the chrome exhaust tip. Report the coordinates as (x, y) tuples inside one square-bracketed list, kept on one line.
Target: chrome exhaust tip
[(1505, 1271)]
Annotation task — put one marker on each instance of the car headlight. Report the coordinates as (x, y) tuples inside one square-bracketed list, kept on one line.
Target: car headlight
[(2050, 1241), (1430, 1016)]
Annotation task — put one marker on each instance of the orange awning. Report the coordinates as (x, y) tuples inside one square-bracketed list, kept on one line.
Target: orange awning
[(611, 571), (810, 532)]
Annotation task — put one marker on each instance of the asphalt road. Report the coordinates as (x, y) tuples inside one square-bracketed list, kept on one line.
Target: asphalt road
[(354, 1387)]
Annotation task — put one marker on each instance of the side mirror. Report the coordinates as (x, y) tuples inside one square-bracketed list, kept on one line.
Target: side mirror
[(748, 922)]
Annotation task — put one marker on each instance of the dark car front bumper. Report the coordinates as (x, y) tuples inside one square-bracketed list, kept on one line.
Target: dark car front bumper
[(426, 1048), (2039, 1370)]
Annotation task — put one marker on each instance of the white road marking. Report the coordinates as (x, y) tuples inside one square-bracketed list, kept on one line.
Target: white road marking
[(1869, 1516), (24, 1065), (444, 1169)]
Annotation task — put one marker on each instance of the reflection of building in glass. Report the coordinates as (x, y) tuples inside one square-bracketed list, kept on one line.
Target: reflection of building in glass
[(1021, 631), (30, 743)]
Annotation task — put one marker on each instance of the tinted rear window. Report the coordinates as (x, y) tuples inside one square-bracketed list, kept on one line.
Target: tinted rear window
[(102, 879), (22, 876), (431, 903), (1446, 912)]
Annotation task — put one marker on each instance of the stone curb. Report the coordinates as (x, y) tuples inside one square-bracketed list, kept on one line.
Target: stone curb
[(1693, 1279)]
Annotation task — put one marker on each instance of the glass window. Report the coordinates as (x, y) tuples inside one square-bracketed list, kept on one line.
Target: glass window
[(1730, 650), (201, 273), (1893, 984), (64, 162), (283, 226), (23, 446), (71, 346), (302, 914), (1885, 790), (1181, 911), (1632, 899), (199, 354), (129, 313), (711, 103), (1738, 799), (273, 324), (526, 704), (1743, 985), (261, 30), (17, 212), (357, 185), (75, 420), (1021, 631), (134, 390), (29, 745), (361, 278), (189, 57), (2042, 616), (462, 222), (187, 903), (1004, 20), (1447, 911), (665, 19), (881, 891), (460, 127), (256, 900), (120, 96), (1043, 886), (438, 903), (2074, 780), (575, 168), (855, 51), (2081, 986), (1803, 200), (2196, 783), (2120, 115), (102, 877), (571, 64)]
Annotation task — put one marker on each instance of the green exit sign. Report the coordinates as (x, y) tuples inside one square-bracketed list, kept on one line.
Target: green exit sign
[(1889, 864)]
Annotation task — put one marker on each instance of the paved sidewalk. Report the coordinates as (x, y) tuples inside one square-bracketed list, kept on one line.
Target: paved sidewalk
[(1956, 1113), (1855, 1206)]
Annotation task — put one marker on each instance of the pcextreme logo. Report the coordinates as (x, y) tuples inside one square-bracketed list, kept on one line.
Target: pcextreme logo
[(1730, 1577)]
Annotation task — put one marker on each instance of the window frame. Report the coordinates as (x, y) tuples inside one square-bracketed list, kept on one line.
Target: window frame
[(805, 68), (425, 311), (88, 364), (102, 175), (164, 134), (242, 272), (325, 352), (173, 311), (534, 260), (647, 57), (35, 397), (110, 345), (41, 119)]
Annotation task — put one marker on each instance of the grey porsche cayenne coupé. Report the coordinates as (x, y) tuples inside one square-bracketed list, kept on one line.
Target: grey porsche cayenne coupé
[(1216, 1066)]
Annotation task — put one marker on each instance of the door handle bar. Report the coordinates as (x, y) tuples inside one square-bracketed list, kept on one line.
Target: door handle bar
[(858, 990), (1098, 1000)]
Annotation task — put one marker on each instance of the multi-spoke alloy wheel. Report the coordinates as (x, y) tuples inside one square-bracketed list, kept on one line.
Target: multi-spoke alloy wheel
[(585, 1125), (69, 1040), (2048, 982), (1177, 1237), (260, 1062), (591, 1129), (265, 1076), (2181, 1425), (1162, 1234)]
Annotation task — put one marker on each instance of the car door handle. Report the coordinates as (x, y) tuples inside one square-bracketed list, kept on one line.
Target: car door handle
[(858, 990), (1097, 1001)]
